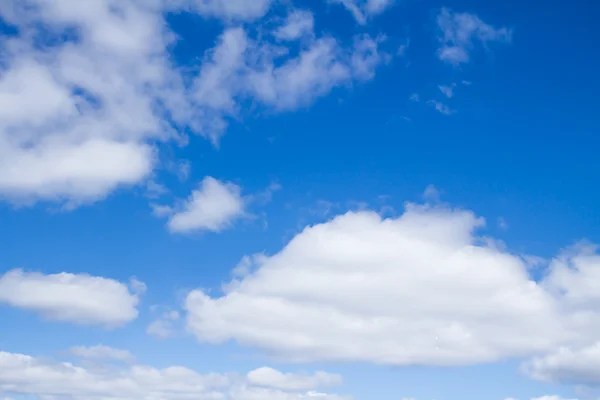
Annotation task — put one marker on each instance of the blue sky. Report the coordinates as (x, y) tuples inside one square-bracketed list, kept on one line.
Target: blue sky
[(282, 199)]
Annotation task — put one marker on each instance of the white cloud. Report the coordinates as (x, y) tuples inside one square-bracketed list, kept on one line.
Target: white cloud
[(574, 279), (82, 118), (66, 130), (240, 68), (164, 327), (212, 207), (320, 66), (459, 31), (272, 378), (447, 90), (225, 9), (363, 10), (25, 375), (101, 352), (77, 298), (421, 288), (299, 23), (431, 194), (567, 366), (441, 107), (367, 57)]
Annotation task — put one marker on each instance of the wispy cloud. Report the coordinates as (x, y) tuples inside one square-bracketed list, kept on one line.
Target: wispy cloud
[(363, 10), (459, 32), (66, 128), (441, 107)]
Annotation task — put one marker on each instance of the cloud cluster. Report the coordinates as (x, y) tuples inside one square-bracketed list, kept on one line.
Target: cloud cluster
[(459, 32), (26, 375), (76, 298), (88, 93), (419, 289), (77, 118)]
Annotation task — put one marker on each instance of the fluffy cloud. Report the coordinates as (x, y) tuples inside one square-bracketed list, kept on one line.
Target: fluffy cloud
[(574, 279), (66, 130), (213, 207), (26, 375), (362, 10), (565, 365), (299, 23), (77, 298), (422, 288), (101, 353), (460, 31), (240, 68), (88, 93)]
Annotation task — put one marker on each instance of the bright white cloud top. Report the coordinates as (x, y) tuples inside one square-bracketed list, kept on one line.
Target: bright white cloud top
[(77, 298), (420, 289)]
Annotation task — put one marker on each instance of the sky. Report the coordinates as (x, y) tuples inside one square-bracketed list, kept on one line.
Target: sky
[(293, 199)]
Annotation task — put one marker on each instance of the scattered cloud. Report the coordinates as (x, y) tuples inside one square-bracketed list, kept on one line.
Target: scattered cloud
[(161, 210), (76, 298), (363, 10), (101, 352), (26, 375), (66, 108), (447, 90), (266, 195), (67, 131), (154, 190), (299, 23), (241, 68), (212, 207), (567, 366), (367, 56), (460, 31), (165, 326), (400, 291), (441, 107), (574, 278)]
